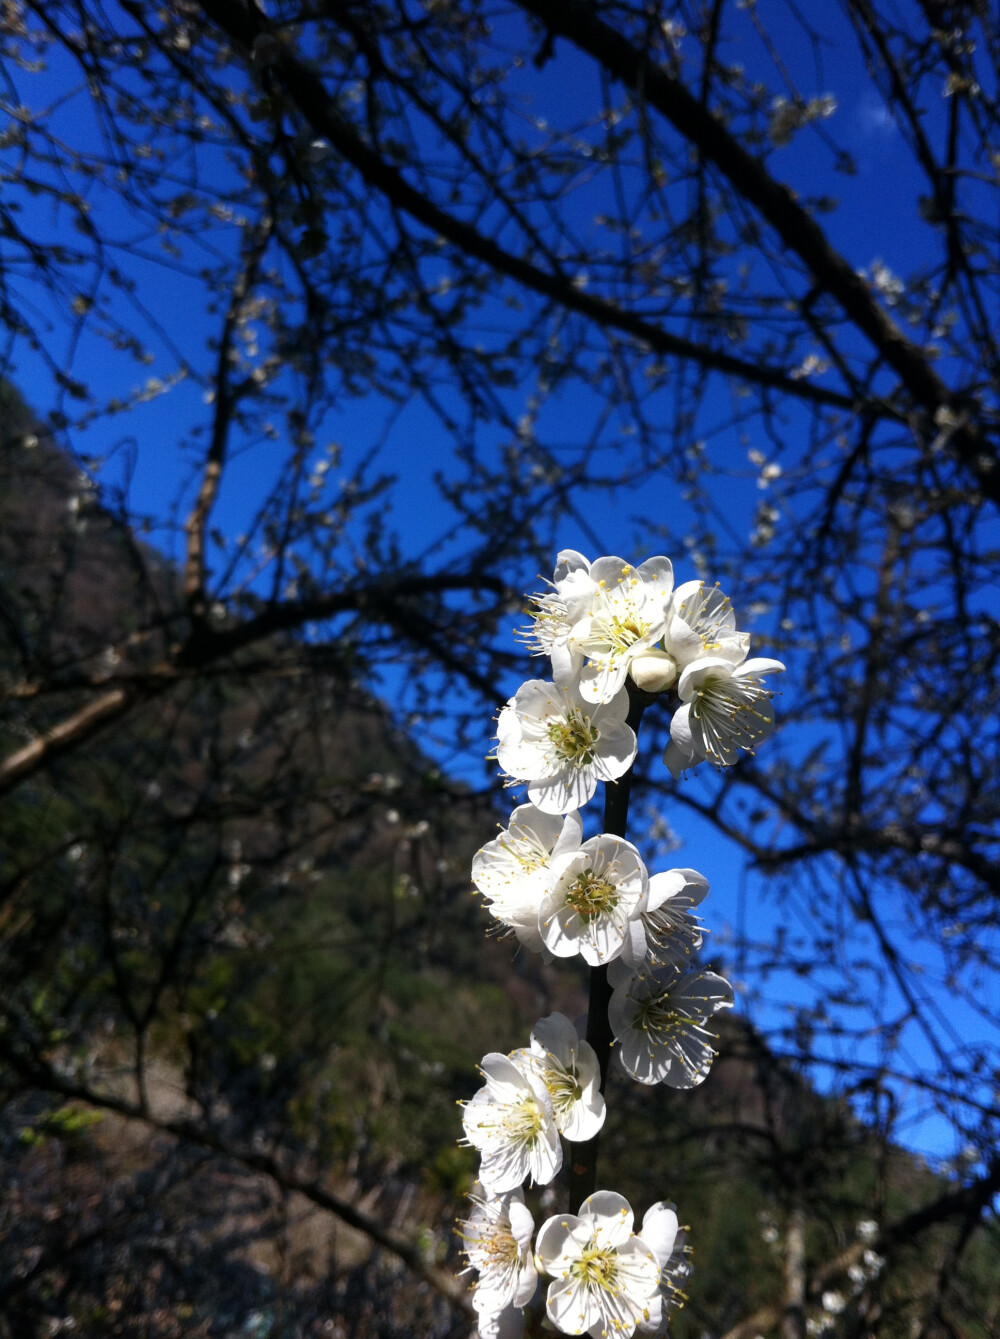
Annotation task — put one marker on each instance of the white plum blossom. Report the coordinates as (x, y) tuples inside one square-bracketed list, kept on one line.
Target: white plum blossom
[(568, 1067), (659, 1022), (725, 708), (626, 618), (593, 894), (667, 1240), (562, 746), (701, 622), (512, 870), (497, 1244), (511, 1122), (667, 925), (606, 1278), (556, 611)]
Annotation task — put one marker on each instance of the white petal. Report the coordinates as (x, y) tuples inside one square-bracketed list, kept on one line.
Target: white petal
[(620, 972), (567, 561), (659, 573), (566, 665), (703, 993), (611, 1214), (522, 759), (758, 666), (571, 836), (659, 1230), (693, 674), (522, 1224), (586, 1117), (545, 1158), (602, 682), (527, 821), (567, 791), (611, 570), (682, 641), (635, 947), (616, 749), (615, 710), (656, 1322), (680, 730), (504, 1078), (570, 1307), (555, 1035), (733, 647), (678, 761), (560, 1240)]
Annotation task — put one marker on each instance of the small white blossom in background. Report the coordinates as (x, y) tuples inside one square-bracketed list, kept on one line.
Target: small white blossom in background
[(627, 617), (568, 1067), (659, 1022), (788, 116), (867, 1229), (885, 283), (873, 1262), (606, 1279), (818, 1324), (561, 745), (511, 1122), (724, 709), (512, 871), (497, 1244), (812, 365), (593, 894)]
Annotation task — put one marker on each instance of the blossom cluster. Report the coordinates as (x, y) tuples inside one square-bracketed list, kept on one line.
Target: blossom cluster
[(610, 629), (603, 623)]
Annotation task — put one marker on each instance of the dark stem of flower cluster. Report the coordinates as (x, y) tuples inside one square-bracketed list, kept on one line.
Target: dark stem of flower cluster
[(583, 1156)]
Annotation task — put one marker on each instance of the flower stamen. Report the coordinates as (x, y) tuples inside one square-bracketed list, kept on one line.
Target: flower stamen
[(591, 896)]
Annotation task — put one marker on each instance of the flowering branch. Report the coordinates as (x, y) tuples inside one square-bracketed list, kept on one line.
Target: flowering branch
[(618, 637)]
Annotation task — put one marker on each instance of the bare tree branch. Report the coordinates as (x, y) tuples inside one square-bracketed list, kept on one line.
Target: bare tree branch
[(797, 229)]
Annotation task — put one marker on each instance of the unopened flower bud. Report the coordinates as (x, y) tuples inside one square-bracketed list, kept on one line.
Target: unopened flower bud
[(653, 671)]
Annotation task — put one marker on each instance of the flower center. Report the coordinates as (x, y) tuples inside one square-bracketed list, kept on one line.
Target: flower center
[(597, 1268), (591, 896), (564, 1087), (730, 715), (524, 1121), (624, 632), (574, 739), (527, 854), (499, 1250), (669, 929), (656, 1017)]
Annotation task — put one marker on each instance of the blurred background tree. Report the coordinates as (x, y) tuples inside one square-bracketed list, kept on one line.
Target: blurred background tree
[(336, 321)]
